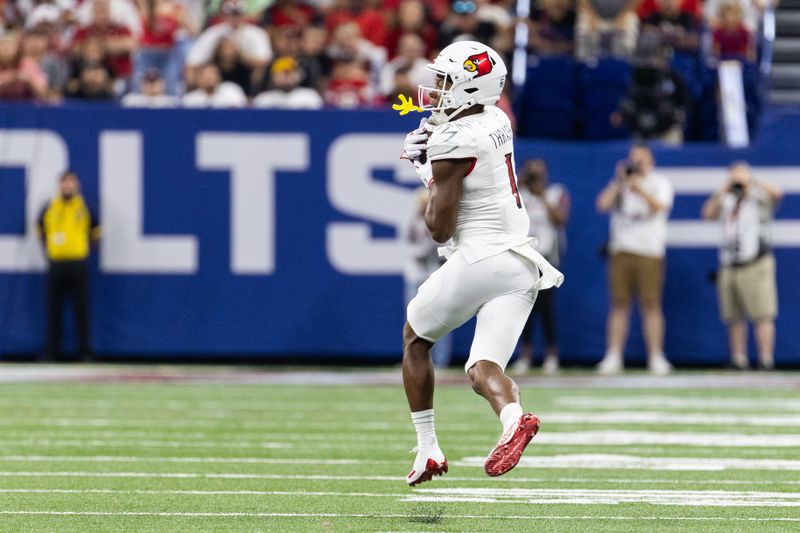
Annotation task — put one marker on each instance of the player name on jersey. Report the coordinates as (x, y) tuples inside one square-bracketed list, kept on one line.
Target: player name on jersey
[(502, 135)]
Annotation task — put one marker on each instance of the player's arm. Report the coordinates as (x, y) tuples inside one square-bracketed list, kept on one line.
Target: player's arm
[(442, 211)]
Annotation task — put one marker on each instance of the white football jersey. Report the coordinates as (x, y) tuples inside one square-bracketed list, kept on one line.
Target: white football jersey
[(491, 214)]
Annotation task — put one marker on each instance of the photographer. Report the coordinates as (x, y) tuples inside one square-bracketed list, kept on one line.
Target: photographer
[(657, 100), (639, 200), (746, 280)]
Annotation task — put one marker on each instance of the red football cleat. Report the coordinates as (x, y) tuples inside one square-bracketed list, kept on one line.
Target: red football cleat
[(507, 452), (432, 468)]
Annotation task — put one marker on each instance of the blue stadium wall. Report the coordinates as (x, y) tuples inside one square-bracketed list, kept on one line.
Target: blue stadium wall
[(274, 234)]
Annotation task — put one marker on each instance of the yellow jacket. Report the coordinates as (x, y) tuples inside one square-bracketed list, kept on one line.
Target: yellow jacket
[(68, 227)]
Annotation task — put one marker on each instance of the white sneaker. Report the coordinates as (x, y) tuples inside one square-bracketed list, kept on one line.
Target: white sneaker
[(610, 366), (521, 367), (429, 462), (550, 365), (659, 366)]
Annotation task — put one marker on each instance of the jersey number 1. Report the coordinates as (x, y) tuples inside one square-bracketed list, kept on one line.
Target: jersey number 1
[(513, 180)]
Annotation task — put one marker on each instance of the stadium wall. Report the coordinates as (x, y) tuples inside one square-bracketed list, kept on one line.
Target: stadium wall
[(274, 234)]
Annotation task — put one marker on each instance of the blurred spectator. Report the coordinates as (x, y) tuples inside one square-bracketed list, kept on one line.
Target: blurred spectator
[(152, 93), (349, 86), (552, 28), (35, 48), (751, 11), (286, 92), (732, 39), (288, 42), (347, 43), (606, 27), (211, 91), (88, 52), (93, 83), (123, 13), (58, 14), (548, 208), (639, 200), (21, 78), (678, 28), (290, 13), (411, 19), (366, 14), (746, 280), (250, 8), (162, 24), (657, 100), (463, 24), (422, 259), (68, 228), (116, 41), (411, 59), (313, 57), (252, 42), (231, 65), (646, 8)]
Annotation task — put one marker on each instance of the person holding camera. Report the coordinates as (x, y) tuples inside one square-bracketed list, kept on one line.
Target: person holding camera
[(548, 206), (746, 281), (639, 201)]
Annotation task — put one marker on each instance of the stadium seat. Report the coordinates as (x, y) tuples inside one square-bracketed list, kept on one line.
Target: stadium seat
[(546, 107), (600, 88)]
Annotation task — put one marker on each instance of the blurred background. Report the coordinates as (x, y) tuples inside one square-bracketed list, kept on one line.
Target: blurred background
[(239, 164)]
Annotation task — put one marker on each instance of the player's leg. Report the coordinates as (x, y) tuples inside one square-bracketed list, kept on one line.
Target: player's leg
[(525, 359), (619, 278), (418, 381), (439, 307), (498, 327), (499, 323)]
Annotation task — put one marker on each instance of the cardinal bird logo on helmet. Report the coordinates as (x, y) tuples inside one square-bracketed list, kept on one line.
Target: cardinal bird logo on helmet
[(479, 63)]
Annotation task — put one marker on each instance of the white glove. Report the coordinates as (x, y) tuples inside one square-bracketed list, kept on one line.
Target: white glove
[(415, 142), (424, 172)]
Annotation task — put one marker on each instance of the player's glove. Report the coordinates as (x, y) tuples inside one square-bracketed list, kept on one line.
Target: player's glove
[(415, 142), (424, 172)]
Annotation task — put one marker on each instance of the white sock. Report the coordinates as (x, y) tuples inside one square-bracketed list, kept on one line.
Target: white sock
[(615, 356), (510, 415), (423, 423)]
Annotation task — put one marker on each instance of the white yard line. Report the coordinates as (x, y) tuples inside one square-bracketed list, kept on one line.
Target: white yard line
[(404, 516), (145, 459), (684, 401), (635, 462), (393, 478), (693, 498), (568, 438)]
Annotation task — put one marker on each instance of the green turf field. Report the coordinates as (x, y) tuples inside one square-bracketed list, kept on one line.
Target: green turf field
[(264, 457)]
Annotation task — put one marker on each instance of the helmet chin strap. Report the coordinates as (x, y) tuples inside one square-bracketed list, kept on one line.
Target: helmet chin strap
[(442, 117)]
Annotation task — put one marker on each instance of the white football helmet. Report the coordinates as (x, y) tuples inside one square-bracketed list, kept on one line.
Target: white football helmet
[(468, 73)]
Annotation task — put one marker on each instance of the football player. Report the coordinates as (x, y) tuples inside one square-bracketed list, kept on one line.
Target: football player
[(465, 154)]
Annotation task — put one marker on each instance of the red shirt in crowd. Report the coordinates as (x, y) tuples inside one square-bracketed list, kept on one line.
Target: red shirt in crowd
[(648, 7), (732, 43), (300, 14), (160, 32), (370, 21), (120, 64)]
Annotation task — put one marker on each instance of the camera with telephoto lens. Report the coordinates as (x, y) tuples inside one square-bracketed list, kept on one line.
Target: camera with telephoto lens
[(631, 169), (737, 189)]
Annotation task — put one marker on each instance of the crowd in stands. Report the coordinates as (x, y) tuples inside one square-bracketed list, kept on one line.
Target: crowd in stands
[(308, 54)]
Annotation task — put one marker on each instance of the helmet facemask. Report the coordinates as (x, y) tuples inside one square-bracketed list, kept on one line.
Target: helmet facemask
[(445, 96)]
